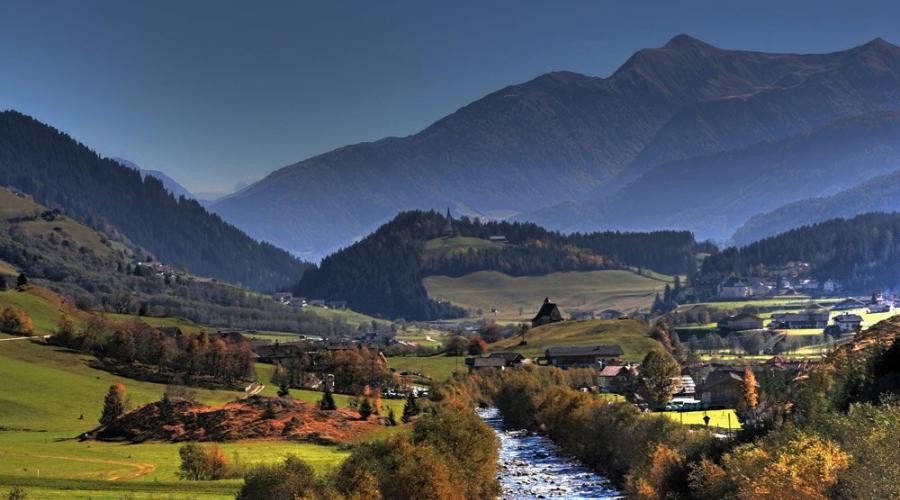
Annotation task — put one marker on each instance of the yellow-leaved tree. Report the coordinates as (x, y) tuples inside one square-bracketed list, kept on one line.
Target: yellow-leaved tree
[(803, 466)]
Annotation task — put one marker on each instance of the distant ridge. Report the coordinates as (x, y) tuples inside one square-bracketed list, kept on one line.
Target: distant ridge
[(554, 148)]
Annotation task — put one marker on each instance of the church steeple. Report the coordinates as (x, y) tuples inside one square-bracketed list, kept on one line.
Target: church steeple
[(448, 228)]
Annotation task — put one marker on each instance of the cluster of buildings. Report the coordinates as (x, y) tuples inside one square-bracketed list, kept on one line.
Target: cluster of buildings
[(289, 299), (735, 288)]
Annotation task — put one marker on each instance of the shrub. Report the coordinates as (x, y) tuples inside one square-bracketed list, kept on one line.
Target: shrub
[(17, 494), (199, 463), (15, 321)]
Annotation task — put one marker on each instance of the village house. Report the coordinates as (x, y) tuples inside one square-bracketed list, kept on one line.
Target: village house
[(587, 356), (614, 378), (686, 387), (337, 304), (500, 359), (735, 288), (810, 319), (482, 363), (497, 238), (848, 304), (830, 286), (317, 303), (230, 337), (549, 313), (740, 322), (581, 315), (880, 308), (722, 388), (611, 314), (848, 323)]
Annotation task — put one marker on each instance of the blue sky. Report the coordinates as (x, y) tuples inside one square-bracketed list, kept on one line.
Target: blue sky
[(219, 92)]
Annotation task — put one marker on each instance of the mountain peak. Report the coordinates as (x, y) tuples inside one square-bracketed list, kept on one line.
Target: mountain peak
[(684, 41)]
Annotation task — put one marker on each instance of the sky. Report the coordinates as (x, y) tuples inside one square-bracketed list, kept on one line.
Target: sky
[(216, 93)]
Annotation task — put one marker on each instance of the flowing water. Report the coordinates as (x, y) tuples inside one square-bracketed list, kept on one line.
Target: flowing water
[(531, 466)]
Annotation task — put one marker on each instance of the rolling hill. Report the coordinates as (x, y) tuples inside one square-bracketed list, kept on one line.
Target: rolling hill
[(630, 334), (382, 274), (880, 194), (595, 135), (61, 173)]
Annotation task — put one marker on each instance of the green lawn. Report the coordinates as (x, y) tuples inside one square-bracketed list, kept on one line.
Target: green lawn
[(717, 418), (631, 335), (518, 298)]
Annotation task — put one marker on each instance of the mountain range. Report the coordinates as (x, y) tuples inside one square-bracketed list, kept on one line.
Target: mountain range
[(571, 152)]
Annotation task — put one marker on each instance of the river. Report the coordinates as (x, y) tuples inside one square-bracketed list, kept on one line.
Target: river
[(532, 466)]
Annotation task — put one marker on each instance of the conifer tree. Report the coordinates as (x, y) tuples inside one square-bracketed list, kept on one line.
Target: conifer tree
[(410, 409), (113, 404), (327, 402)]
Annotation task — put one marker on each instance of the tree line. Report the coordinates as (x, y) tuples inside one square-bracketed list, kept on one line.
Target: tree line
[(145, 352)]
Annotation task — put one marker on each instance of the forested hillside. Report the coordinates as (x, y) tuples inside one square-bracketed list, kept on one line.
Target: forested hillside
[(382, 274), (62, 173), (861, 252), (94, 273)]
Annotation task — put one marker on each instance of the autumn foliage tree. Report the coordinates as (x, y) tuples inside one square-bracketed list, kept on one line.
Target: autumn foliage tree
[(749, 397), (15, 321), (202, 463)]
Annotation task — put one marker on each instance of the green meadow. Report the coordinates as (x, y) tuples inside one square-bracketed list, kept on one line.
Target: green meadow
[(518, 298)]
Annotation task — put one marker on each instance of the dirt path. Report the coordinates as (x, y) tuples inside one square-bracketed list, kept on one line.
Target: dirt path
[(141, 469)]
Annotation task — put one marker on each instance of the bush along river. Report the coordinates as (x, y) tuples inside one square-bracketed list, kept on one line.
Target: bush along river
[(532, 466)]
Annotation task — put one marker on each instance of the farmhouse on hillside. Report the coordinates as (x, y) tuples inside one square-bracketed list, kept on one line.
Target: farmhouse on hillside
[(578, 356), (549, 313)]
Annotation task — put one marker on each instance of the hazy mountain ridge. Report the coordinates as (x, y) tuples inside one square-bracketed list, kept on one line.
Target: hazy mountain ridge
[(880, 194), (564, 136), (713, 194), (169, 183)]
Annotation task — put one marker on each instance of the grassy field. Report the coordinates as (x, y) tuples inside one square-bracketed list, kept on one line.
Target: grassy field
[(518, 298), (443, 247), (7, 270), (717, 418), (47, 390), (435, 367), (44, 307), (63, 227), (631, 335)]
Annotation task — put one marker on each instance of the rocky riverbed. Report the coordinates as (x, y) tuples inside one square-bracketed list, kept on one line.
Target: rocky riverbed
[(531, 466)]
